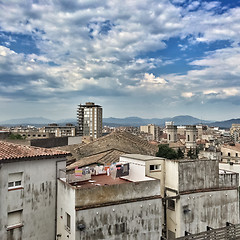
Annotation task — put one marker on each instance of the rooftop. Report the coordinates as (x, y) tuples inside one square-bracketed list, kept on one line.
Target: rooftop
[(141, 157), (119, 141), (106, 157), (236, 147), (10, 151), (99, 180)]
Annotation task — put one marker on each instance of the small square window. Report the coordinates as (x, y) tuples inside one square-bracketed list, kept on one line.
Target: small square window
[(156, 167), (14, 219), (15, 180), (10, 184), (18, 183)]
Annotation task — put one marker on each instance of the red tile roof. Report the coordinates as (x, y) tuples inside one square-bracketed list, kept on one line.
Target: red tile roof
[(10, 151)]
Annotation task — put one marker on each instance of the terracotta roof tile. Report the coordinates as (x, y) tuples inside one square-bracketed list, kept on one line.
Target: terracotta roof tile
[(109, 156), (15, 151)]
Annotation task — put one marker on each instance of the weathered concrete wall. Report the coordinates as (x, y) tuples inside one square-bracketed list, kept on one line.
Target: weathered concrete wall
[(74, 140), (132, 221), (50, 142), (66, 204), (37, 199), (204, 209), (234, 168), (228, 180), (200, 174), (114, 193)]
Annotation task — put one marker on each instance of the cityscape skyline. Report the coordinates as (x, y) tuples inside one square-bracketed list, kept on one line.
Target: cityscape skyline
[(147, 58)]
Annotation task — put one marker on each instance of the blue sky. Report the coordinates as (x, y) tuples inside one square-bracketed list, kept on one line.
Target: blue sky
[(144, 58)]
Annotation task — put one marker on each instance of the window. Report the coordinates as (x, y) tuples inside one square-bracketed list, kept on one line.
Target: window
[(156, 167), (68, 222), (229, 154), (15, 181), (188, 138), (171, 204), (14, 219), (236, 154)]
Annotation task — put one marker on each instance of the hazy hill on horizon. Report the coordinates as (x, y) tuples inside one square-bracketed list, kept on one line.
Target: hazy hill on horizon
[(128, 121), (136, 121)]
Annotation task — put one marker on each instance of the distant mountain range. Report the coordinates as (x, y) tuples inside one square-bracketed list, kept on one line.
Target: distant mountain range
[(36, 121), (226, 124), (129, 121), (136, 121)]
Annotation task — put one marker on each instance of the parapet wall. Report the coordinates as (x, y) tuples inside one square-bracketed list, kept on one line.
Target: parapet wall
[(113, 193)]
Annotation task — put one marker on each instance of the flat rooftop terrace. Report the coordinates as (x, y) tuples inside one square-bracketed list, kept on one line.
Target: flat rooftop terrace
[(99, 180)]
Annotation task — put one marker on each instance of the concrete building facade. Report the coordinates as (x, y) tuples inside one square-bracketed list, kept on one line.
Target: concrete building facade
[(89, 120), (28, 191), (196, 194), (107, 208), (69, 130)]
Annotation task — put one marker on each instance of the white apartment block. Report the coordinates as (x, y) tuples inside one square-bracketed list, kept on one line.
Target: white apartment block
[(89, 120)]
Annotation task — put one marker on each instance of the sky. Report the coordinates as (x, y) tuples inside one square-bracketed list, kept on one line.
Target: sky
[(145, 58)]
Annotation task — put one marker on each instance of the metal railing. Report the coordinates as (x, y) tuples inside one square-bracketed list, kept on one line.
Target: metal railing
[(230, 232)]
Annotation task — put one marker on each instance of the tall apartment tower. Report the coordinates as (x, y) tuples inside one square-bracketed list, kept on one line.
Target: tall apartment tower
[(191, 135), (89, 120)]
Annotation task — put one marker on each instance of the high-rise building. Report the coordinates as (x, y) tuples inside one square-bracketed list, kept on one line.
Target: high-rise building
[(89, 120)]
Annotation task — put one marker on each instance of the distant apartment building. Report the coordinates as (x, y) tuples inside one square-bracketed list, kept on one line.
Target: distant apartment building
[(69, 130), (89, 120), (230, 153), (151, 129), (38, 134), (235, 132)]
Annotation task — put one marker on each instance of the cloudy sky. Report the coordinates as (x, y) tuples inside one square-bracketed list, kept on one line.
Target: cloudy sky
[(145, 58)]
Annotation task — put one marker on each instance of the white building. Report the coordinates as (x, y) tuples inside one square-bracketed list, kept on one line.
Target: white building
[(89, 120), (108, 208), (28, 182)]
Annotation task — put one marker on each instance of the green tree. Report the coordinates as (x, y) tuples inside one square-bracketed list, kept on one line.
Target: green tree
[(15, 136), (166, 152), (193, 153), (180, 153)]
